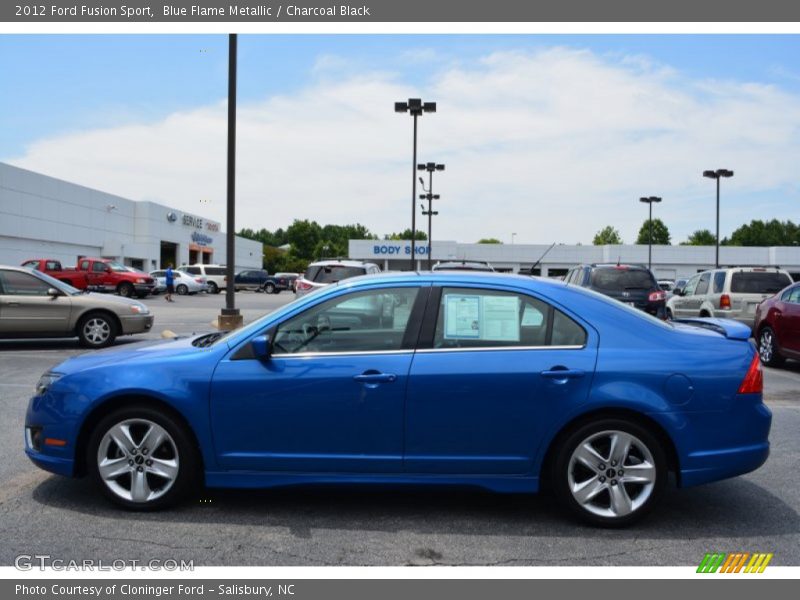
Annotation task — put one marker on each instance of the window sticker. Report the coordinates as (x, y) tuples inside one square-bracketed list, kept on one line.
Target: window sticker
[(500, 318), (462, 317), (490, 318)]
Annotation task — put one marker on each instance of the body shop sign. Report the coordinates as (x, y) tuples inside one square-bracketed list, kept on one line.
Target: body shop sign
[(399, 250)]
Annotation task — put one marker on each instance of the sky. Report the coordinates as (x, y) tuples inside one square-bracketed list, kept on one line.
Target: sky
[(548, 137)]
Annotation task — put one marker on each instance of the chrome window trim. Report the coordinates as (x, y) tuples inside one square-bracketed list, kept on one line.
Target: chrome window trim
[(499, 349), (343, 353)]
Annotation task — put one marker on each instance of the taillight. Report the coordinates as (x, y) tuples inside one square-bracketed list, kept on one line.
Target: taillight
[(657, 296), (198, 280), (725, 301), (753, 382), (302, 285)]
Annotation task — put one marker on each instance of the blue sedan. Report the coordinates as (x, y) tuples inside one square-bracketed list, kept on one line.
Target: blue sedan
[(499, 381)]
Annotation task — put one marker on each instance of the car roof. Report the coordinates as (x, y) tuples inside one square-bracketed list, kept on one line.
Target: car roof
[(344, 263)]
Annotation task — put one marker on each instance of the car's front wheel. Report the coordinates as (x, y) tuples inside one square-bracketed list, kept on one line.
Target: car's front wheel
[(610, 472), (97, 330), (768, 348), (269, 288), (142, 459)]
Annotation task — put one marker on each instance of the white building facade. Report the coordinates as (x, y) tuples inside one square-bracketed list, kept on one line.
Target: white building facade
[(45, 217), (669, 262)]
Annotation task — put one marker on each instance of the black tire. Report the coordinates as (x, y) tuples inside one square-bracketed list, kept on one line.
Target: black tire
[(182, 289), (213, 288), (768, 349), (645, 495), (142, 295), (125, 289), (188, 460), (269, 288), (96, 330)]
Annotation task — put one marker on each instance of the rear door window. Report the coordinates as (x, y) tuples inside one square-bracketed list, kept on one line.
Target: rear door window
[(719, 282), (216, 271), (758, 282)]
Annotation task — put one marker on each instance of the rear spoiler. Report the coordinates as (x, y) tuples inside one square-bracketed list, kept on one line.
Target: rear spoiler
[(733, 330)]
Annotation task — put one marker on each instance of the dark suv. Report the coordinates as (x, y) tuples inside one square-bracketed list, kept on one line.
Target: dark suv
[(632, 284)]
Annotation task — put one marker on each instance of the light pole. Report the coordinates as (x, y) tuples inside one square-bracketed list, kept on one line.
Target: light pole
[(649, 200), (230, 318), (430, 196), (717, 175), (415, 107)]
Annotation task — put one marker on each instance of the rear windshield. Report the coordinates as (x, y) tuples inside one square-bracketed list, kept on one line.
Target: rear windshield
[(332, 273), (622, 279), (755, 282)]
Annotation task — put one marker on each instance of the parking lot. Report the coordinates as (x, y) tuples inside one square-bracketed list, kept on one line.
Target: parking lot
[(68, 519)]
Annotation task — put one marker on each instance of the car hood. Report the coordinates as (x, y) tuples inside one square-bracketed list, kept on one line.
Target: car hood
[(117, 302), (151, 350)]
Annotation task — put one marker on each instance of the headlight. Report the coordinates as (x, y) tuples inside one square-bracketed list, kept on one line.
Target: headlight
[(140, 280), (139, 309), (45, 381)]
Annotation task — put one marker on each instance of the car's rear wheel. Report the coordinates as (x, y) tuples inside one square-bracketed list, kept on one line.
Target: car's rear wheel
[(213, 288), (97, 330), (269, 288), (182, 289), (768, 348), (142, 459), (611, 472), (125, 289)]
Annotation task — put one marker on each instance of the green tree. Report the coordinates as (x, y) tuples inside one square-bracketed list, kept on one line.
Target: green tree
[(701, 237), (660, 233), (489, 241), (406, 235), (304, 236), (607, 235), (769, 233)]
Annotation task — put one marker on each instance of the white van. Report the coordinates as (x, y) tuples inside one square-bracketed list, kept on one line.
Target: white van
[(214, 274)]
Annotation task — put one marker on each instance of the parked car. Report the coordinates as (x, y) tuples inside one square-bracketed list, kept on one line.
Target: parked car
[(732, 293), (634, 285), (252, 280), (463, 265), (35, 305), (216, 275), (185, 283), (325, 272), (97, 275), (666, 284), (488, 380), (777, 327)]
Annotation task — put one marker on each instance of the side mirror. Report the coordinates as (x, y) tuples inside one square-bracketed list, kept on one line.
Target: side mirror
[(53, 292), (678, 292), (261, 346)]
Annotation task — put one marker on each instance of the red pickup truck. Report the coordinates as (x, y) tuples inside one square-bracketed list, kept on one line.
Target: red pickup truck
[(97, 275)]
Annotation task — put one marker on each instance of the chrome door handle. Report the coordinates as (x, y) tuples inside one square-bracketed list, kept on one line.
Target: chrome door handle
[(373, 377)]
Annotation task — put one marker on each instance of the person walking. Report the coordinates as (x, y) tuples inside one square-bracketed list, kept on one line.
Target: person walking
[(170, 277)]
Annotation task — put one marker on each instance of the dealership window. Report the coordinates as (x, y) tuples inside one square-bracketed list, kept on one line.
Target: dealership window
[(481, 318), (369, 321)]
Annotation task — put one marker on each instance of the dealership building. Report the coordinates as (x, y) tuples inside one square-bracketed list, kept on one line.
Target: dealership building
[(669, 262), (45, 217)]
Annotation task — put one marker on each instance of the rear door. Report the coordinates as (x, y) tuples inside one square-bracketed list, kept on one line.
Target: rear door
[(789, 327), (492, 370)]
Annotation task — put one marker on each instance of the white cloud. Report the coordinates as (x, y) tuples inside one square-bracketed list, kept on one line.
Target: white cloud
[(552, 145)]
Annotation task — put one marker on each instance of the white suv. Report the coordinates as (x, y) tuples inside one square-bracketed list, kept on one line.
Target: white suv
[(325, 272), (732, 293), (214, 274)]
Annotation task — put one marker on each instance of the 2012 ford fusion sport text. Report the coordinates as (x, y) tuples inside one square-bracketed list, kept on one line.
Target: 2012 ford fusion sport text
[(504, 382)]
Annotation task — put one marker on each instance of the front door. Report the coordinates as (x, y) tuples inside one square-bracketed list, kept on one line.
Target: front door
[(499, 367), (688, 305), (331, 395), (27, 308), (789, 326)]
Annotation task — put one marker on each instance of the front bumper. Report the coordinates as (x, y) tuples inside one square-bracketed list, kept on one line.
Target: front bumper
[(136, 323), (53, 464)]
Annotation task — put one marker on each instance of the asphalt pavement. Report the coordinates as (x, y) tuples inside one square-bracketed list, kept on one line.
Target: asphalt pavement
[(67, 519)]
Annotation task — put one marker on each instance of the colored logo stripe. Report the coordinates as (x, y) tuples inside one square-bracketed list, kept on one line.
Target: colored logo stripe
[(734, 562)]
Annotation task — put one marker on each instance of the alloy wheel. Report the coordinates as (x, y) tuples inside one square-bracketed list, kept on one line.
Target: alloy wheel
[(96, 331), (138, 460), (766, 346), (611, 474)]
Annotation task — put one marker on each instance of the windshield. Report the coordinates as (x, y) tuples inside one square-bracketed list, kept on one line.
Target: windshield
[(622, 279), (332, 273), (756, 282), (59, 285)]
